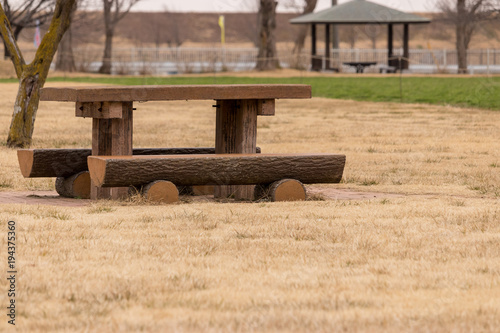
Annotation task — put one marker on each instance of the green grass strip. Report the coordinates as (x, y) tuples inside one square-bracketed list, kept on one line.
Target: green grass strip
[(475, 92)]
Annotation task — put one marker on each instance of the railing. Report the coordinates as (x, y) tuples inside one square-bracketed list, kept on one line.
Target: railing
[(158, 61)]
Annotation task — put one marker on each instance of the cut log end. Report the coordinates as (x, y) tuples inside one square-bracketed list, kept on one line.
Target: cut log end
[(76, 186), (282, 190), (161, 191), (97, 169), (25, 158)]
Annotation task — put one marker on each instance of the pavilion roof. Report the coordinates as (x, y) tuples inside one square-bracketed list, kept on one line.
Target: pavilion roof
[(359, 12)]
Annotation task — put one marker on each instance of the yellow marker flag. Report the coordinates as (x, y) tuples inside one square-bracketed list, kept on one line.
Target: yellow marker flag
[(222, 30)]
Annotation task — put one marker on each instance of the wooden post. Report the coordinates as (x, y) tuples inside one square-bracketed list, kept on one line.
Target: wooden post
[(327, 46), (390, 47), (112, 137), (315, 62), (406, 47), (236, 133), (313, 40)]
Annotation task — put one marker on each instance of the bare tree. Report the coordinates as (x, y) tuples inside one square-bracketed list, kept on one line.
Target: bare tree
[(351, 33), (32, 76), (466, 16), (26, 14), (114, 11), (65, 59), (174, 35), (372, 31), (305, 7), (267, 57), (249, 22), (335, 31)]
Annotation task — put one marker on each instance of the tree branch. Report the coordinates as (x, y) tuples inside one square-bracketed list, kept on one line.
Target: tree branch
[(120, 12), (11, 44), (58, 26)]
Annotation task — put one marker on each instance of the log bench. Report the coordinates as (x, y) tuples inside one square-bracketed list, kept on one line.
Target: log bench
[(280, 176), (70, 166)]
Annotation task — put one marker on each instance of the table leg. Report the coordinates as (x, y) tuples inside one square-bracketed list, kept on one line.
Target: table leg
[(112, 137), (236, 132)]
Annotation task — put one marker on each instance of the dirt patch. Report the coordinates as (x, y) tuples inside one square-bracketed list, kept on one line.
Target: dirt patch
[(54, 199), (346, 194), (40, 198)]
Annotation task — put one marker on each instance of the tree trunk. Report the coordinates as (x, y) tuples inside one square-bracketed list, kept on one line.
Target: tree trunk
[(302, 33), (461, 36), (65, 58), (106, 58), (25, 108), (300, 39), (32, 77), (267, 58), (335, 31), (108, 44), (6, 54)]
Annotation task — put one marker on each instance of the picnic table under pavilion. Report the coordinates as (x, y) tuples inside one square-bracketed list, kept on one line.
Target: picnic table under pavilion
[(360, 12)]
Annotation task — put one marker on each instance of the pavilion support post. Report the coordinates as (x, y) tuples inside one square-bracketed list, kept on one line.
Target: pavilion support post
[(390, 46), (327, 46), (315, 62), (406, 47)]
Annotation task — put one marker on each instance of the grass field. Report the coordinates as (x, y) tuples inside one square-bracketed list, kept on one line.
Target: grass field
[(468, 91), (423, 262)]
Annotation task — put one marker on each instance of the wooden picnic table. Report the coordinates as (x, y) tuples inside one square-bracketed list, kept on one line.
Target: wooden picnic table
[(360, 65), (237, 109)]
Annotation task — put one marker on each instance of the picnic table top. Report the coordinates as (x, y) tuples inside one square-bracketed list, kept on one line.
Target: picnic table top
[(362, 63), (175, 92)]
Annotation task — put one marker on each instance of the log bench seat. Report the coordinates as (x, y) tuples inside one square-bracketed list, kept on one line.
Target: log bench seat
[(70, 166), (60, 162), (266, 170)]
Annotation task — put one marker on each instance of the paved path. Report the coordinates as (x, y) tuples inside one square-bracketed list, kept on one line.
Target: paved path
[(40, 198), (53, 199)]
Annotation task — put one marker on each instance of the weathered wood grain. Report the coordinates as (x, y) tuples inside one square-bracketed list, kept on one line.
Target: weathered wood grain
[(282, 190), (223, 169), (176, 92), (112, 137), (161, 191), (266, 107), (102, 110), (236, 132), (67, 162), (75, 186), (52, 162)]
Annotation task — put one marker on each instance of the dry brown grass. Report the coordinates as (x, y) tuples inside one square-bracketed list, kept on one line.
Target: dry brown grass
[(427, 262)]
